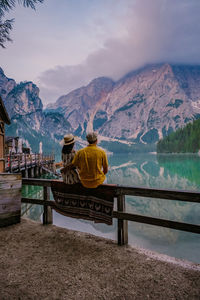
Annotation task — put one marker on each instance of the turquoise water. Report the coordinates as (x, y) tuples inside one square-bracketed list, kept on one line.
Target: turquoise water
[(181, 172)]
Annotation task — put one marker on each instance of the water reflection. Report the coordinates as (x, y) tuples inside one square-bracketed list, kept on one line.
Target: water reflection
[(185, 165), (173, 172), (180, 172), (170, 172), (31, 211)]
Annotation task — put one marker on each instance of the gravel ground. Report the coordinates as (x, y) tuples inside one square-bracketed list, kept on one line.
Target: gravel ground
[(48, 262)]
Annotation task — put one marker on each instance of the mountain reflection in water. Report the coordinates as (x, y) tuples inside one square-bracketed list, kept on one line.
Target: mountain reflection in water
[(179, 172)]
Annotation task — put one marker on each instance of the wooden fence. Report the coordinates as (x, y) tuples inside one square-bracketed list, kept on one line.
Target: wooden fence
[(121, 214)]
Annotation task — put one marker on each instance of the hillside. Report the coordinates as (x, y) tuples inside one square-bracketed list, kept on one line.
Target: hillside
[(183, 140)]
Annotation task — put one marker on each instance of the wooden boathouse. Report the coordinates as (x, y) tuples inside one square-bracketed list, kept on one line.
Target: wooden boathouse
[(4, 119), (10, 184)]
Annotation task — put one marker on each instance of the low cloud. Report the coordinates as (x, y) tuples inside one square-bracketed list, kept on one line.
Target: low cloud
[(153, 31)]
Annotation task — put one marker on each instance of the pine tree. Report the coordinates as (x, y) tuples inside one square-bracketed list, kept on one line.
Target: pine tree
[(7, 25), (183, 140)]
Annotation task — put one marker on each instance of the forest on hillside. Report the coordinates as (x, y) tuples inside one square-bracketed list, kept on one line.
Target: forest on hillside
[(183, 140)]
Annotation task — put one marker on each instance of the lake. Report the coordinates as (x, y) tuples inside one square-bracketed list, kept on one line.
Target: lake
[(181, 172)]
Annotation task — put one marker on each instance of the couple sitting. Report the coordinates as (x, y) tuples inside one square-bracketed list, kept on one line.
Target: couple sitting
[(90, 164)]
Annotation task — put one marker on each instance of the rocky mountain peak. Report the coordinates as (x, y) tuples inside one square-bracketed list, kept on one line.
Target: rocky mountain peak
[(28, 120), (101, 83), (143, 106), (6, 84), (1, 72), (23, 99)]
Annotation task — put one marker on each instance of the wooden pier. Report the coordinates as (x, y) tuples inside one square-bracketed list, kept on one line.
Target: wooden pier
[(30, 165), (121, 214)]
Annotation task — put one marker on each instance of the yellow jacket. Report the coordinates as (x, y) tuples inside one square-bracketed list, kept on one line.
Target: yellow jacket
[(90, 161)]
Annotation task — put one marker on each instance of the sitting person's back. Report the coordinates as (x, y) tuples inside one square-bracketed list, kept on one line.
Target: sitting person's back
[(92, 163), (68, 153)]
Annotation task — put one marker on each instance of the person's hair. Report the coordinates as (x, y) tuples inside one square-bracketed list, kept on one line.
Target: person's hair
[(92, 142), (91, 137), (67, 148)]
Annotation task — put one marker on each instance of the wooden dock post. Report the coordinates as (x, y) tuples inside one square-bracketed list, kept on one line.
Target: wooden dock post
[(26, 173), (10, 162), (47, 214), (32, 174), (19, 163), (26, 169), (40, 170), (36, 174), (122, 224)]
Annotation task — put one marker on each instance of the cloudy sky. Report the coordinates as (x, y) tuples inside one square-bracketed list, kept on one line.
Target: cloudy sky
[(66, 43)]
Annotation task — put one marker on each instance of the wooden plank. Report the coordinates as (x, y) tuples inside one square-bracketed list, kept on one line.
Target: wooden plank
[(188, 196), (10, 177), (10, 219), (7, 215), (6, 185), (38, 201), (159, 222), (9, 208), (10, 196), (36, 181)]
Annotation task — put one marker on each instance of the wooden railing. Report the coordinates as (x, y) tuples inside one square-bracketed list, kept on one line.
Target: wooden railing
[(23, 161), (122, 216)]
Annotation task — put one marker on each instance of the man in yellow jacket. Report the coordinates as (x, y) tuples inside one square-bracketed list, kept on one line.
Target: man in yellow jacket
[(91, 162)]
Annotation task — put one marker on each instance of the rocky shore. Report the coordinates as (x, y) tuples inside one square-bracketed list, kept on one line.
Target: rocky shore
[(48, 262)]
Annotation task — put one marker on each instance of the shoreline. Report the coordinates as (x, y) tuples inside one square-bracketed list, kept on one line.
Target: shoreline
[(136, 240), (150, 253), (169, 259), (49, 262)]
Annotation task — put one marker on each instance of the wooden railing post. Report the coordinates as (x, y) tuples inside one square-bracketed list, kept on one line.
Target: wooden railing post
[(10, 158), (47, 214), (122, 224), (19, 162)]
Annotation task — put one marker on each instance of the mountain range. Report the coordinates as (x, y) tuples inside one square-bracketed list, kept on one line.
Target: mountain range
[(140, 108)]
